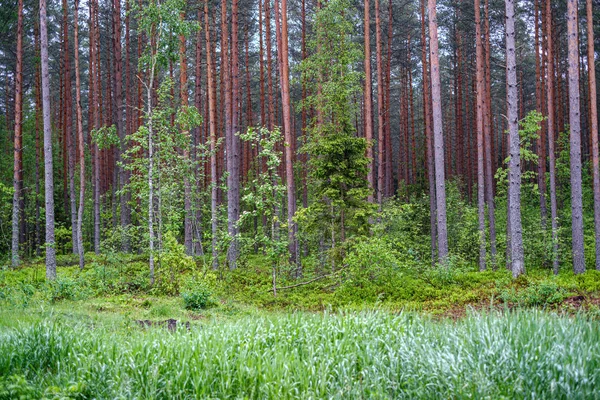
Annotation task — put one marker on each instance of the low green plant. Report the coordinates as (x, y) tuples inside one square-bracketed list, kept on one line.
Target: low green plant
[(197, 296)]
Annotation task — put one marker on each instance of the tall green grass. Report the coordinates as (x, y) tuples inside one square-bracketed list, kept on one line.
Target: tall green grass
[(309, 356)]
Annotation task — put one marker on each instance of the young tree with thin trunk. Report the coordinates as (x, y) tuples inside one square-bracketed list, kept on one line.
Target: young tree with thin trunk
[(514, 180), (368, 106), (438, 134), (79, 137), (575, 139), (18, 162), (48, 170), (594, 126), (551, 127)]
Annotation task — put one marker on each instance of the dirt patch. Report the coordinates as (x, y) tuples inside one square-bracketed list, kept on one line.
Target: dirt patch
[(170, 324)]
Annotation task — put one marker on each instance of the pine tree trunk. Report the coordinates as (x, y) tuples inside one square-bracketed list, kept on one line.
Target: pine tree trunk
[(438, 135), (80, 250), (213, 138), (480, 140), (367, 99), (488, 141), (594, 127), (428, 137), (289, 142), (18, 160), (48, 170), (514, 183), (380, 108), (187, 188), (551, 139), (575, 140)]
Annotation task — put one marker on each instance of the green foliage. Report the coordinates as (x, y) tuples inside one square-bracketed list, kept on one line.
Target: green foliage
[(197, 296), (529, 132), (352, 355), (264, 195), (538, 294), (337, 160), (105, 137)]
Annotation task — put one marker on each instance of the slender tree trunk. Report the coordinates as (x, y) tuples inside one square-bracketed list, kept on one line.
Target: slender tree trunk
[(96, 87), (594, 126), (80, 250), (480, 140), (48, 170), (514, 184), (289, 141), (575, 141), (551, 139), (438, 135), (380, 108), (187, 196), (488, 141), (367, 99), (18, 161), (428, 137), (213, 138)]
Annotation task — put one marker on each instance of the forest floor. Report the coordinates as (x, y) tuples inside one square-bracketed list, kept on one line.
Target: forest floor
[(119, 288)]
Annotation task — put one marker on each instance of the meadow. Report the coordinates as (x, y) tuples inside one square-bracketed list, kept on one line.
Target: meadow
[(354, 355)]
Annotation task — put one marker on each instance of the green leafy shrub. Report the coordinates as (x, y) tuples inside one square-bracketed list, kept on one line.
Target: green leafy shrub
[(537, 294), (67, 289), (197, 296)]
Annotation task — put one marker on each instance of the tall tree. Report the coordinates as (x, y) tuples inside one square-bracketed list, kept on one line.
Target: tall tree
[(488, 138), (80, 141), (428, 136), (187, 189), (212, 119), (575, 139), (594, 126), (18, 162), (480, 138), (233, 142), (438, 134), (551, 138), (514, 182), (48, 170), (288, 129), (368, 106), (380, 107)]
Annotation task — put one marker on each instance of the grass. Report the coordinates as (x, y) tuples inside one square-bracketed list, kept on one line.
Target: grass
[(342, 355)]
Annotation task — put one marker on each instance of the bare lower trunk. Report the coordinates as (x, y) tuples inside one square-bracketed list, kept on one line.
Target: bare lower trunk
[(594, 127), (367, 99), (380, 108), (213, 140), (575, 141), (18, 161), (79, 139), (514, 182), (289, 143), (480, 145), (438, 135), (428, 137), (48, 168), (551, 153)]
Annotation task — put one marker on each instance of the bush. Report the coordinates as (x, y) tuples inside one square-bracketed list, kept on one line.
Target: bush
[(197, 297), (538, 294)]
